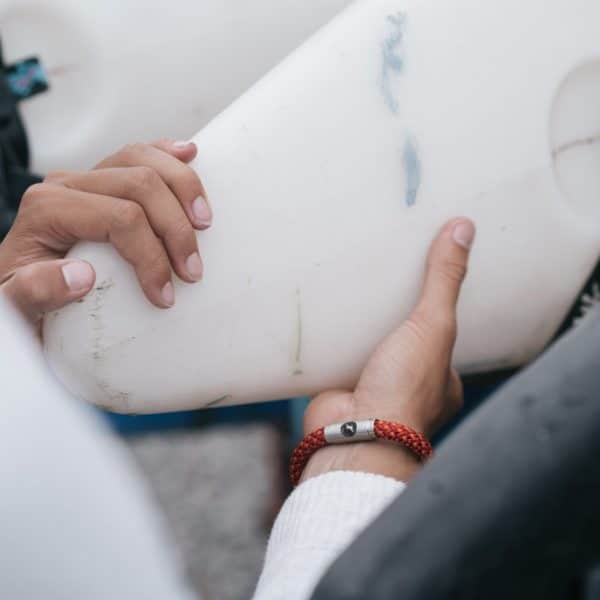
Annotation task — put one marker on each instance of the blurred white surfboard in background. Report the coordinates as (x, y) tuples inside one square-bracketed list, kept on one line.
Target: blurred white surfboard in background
[(123, 71), (75, 511)]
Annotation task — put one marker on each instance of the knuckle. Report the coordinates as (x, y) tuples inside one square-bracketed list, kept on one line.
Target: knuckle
[(455, 270), (418, 327), (34, 194), (162, 143), (130, 152), (32, 288), (155, 267), (180, 230), (451, 270), (456, 390), (144, 178), (427, 325), (56, 177), (135, 148), (457, 403), (190, 181), (453, 404), (127, 215)]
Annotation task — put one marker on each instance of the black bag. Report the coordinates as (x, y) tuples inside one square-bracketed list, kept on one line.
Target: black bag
[(15, 176)]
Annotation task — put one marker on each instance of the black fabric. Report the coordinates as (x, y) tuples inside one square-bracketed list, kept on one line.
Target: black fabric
[(15, 176), (510, 505), (591, 589)]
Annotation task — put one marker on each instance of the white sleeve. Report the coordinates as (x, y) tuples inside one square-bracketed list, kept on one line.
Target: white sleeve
[(316, 524)]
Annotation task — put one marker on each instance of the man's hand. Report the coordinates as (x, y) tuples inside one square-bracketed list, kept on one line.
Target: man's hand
[(408, 378), (144, 200)]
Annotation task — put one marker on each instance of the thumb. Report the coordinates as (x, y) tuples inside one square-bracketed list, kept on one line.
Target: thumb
[(43, 286), (446, 270)]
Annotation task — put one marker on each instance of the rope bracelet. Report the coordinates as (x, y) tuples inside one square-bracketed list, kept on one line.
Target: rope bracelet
[(357, 431)]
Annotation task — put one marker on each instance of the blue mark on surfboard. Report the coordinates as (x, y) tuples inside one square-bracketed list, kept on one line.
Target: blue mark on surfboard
[(393, 58), (412, 169), (393, 65)]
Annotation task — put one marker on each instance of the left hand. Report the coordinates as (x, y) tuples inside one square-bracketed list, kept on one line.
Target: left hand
[(144, 199)]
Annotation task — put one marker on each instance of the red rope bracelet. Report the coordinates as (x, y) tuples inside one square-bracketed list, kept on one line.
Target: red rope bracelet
[(357, 431)]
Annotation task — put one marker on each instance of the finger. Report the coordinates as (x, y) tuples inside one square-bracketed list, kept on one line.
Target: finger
[(182, 150), (76, 215), (454, 394), (181, 179), (446, 270), (165, 214), (44, 286)]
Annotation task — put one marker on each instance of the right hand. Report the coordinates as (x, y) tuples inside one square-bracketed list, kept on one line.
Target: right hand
[(145, 200), (408, 378)]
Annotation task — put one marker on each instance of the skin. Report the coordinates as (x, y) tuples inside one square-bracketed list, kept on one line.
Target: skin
[(140, 199), (408, 378), (146, 201)]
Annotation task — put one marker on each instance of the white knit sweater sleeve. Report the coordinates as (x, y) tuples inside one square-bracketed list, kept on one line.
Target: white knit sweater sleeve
[(316, 524)]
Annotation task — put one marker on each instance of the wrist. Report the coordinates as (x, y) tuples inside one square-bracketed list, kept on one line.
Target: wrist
[(380, 456), (377, 457)]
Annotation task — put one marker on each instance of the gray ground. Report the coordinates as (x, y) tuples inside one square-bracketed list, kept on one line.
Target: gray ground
[(218, 488)]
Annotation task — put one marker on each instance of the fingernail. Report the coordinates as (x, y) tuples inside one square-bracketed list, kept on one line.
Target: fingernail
[(180, 144), (202, 212), (168, 294), (193, 264), (78, 275), (464, 234)]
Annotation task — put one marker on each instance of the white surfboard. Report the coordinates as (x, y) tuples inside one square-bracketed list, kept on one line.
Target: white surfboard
[(72, 492), (134, 70), (329, 179)]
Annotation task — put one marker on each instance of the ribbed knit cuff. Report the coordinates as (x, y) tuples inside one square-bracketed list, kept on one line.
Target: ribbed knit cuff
[(317, 523), (331, 509)]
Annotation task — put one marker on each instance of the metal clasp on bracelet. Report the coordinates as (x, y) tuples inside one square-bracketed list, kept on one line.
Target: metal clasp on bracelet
[(350, 431)]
